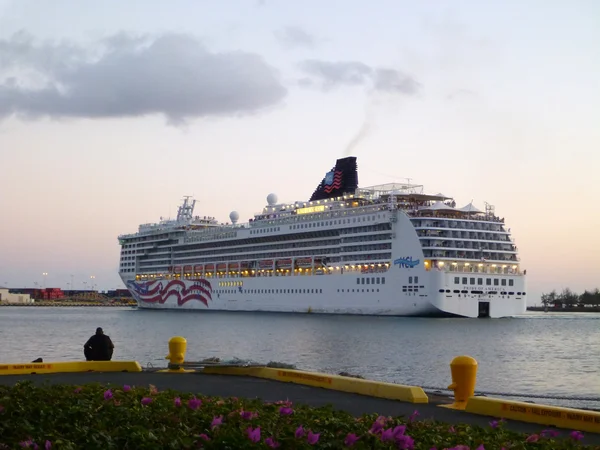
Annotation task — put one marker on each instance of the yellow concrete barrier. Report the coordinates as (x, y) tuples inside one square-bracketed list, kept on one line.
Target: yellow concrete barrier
[(411, 394), (574, 419), (63, 367)]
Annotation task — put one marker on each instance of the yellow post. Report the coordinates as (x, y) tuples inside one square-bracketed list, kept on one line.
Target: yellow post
[(464, 377), (177, 347)]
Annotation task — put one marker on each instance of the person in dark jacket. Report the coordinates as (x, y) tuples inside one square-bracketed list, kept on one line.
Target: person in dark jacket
[(99, 347)]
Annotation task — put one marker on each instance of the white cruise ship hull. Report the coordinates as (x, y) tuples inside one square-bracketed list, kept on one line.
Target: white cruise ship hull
[(405, 288)]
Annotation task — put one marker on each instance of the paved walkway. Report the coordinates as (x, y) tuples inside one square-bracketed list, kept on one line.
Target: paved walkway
[(267, 390)]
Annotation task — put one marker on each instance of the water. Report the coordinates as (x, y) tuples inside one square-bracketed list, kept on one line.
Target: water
[(535, 354)]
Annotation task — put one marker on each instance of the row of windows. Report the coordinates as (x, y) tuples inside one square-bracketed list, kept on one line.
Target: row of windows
[(456, 291), (265, 230), (370, 280), (358, 290), (269, 291), (488, 281)]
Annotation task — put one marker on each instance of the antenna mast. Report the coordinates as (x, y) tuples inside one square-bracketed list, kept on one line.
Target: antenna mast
[(186, 211)]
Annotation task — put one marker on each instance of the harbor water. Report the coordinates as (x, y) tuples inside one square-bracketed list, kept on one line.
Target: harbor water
[(539, 353)]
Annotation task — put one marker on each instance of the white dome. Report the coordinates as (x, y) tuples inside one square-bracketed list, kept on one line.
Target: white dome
[(234, 216), (272, 199)]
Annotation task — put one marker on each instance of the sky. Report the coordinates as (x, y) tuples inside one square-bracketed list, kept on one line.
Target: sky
[(111, 112)]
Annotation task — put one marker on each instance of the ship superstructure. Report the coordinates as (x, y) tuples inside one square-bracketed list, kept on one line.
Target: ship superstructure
[(381, 250)]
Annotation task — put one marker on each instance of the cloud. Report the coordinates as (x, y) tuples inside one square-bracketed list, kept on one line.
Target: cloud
[(331, 74), (291, 37), (129, 76)]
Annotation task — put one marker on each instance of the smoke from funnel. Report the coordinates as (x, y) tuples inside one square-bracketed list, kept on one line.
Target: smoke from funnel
[(358, 137)]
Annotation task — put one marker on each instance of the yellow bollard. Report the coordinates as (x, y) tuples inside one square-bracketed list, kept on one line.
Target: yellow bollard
[(464, 377), (177, 347)]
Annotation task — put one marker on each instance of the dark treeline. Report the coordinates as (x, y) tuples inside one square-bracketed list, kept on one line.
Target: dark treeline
[(568, 298)]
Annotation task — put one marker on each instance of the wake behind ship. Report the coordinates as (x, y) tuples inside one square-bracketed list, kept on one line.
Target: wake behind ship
[(389, 249)]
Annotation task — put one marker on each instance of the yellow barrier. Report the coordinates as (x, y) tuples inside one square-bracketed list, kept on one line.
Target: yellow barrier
[(63, 367), (574, 419), (411, 394)]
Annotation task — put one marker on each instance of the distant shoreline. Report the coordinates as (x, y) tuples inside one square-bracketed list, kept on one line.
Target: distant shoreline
[(594, 309), (70, 304)]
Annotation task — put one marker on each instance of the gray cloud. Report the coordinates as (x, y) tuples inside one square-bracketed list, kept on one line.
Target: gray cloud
[(331, 74), (125, 76), (291, 37)]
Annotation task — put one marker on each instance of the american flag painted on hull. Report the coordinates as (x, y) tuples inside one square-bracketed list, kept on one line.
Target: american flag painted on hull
[(160, 291)]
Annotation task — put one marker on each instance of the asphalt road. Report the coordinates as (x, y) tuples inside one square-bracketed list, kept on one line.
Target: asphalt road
[(267, 390)]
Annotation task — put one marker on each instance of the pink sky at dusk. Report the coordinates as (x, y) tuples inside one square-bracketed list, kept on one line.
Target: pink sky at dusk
[(504, 108)]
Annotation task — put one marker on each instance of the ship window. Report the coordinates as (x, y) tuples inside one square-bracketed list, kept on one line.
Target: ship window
[(524, 293), (480, 281), (503, 282), (488, 281), (362, 281), (410, 279), (456, 280), (464, 280), (511, 282), (358, 281), (378, 280), (416, 280), (472, 281), (441, 290), (383, 280), (320, 291), (495, 281)]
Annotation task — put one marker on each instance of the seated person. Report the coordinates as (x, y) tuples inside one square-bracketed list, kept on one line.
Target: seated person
[(99, 347)]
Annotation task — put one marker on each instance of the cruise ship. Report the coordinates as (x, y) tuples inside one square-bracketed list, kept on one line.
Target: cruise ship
[(388, 250)]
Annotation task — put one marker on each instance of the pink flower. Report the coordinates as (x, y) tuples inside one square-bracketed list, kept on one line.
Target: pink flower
[(108, 394), (272, 442), (126, 388), (533, 438), (284, 403), (285, 411), (216, 422), (47, 445), (247, 415), (413, 416), (299, 432), (481, 447), (405, 442), (194, 403), (313, 438), (387, 435), (451, 429), (204, 437), (376, 427), (26, 444), (549, 433), (146, 401), (350, 440), (576, 435), (494, 424), (77, 390), (253, 434), (399, 431), (177, 401)]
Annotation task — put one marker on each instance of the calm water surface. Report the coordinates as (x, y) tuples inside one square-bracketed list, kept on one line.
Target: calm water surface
[(535, 354)]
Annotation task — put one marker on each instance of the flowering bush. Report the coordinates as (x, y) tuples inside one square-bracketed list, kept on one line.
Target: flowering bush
[(128, 417)]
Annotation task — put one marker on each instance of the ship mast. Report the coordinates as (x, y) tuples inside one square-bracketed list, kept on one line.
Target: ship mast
[(185, 212)]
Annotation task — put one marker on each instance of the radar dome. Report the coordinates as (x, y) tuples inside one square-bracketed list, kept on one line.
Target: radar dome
[(272, 199), (234, 217)]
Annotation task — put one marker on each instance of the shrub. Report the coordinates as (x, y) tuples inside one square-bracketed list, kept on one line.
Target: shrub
[(105, 417)]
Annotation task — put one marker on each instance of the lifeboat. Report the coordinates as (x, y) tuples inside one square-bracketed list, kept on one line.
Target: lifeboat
[(187, 269), (234, 266), (284, 263), (198, 268), (245, 265), (177, 270), (304, 262), (266, 264), (209, 267), (222, 266)]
